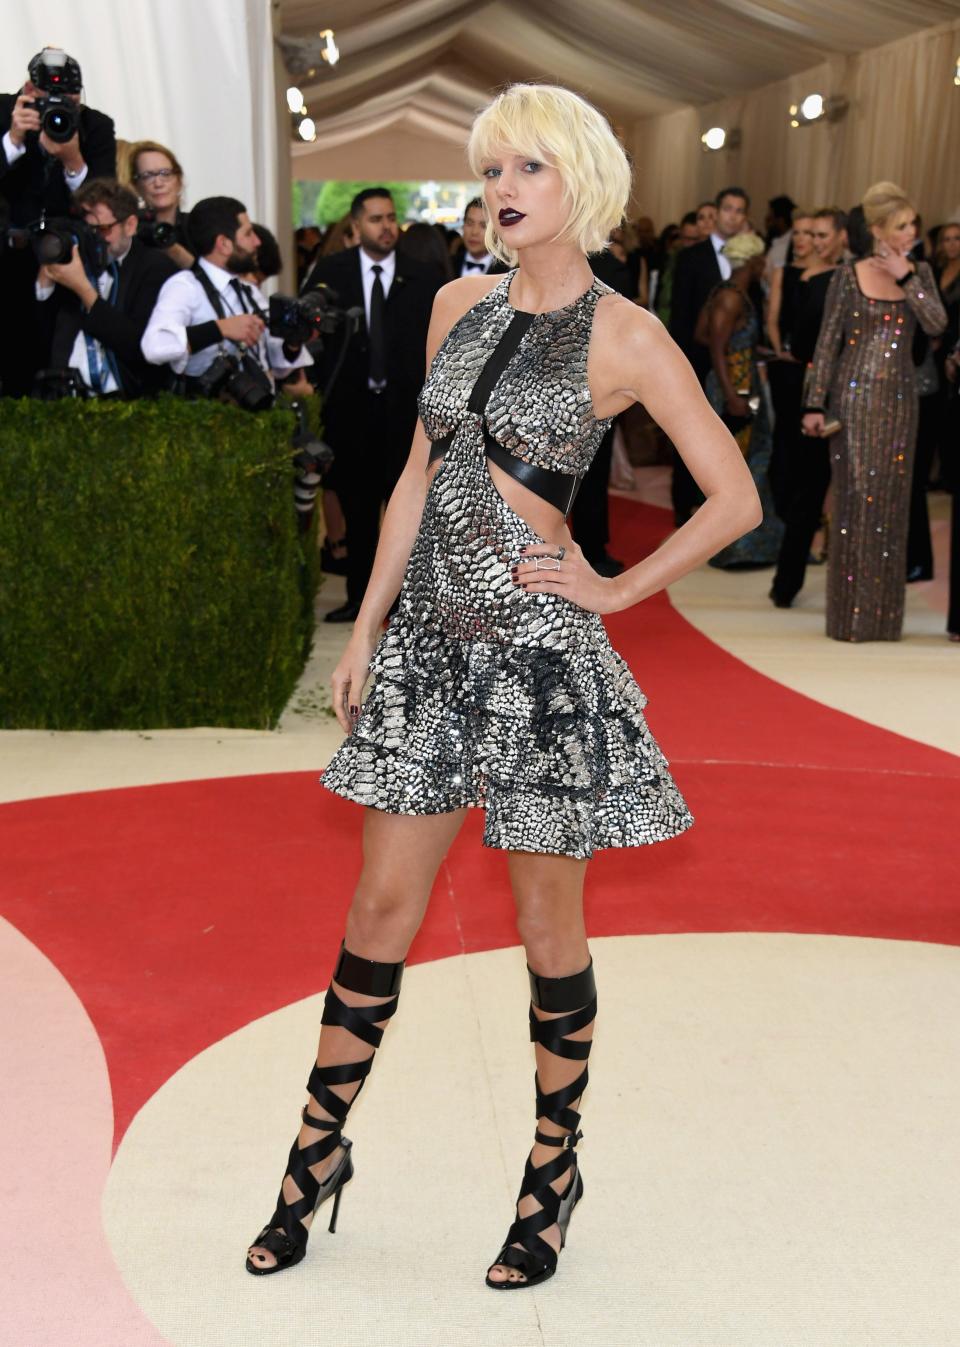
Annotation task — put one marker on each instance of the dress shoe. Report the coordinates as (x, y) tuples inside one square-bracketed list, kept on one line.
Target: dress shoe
[(779, 601), (347, 613), (330, 563), (916, 573)]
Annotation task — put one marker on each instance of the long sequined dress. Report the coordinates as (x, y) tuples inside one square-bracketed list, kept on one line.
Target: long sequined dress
[(761, 546), (862, 372), (486, 695)]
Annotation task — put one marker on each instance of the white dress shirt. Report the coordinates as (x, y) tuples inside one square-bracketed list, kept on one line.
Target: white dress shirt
[(79, 356), (388, 266), (476, 266), (723, 261), (15, 152), (183, 303)]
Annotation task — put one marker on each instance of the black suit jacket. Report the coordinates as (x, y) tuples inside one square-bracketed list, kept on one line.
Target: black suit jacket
[(35, 182), (496, 267), (696, 272), (119, 326), (408, 307)]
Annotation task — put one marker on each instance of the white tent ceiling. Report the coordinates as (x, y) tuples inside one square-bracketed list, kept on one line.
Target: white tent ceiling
[(411, 74)]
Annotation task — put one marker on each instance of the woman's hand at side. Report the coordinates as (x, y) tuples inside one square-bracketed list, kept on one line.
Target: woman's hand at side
[(813, 423), (575, 580), (350, 677)]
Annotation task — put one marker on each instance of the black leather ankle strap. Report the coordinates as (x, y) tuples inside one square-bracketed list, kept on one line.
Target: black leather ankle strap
[(366, 976), (556, 995)]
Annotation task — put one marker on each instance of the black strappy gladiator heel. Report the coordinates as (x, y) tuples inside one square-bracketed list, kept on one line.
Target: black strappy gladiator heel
[(285, 1235), (574, 999)]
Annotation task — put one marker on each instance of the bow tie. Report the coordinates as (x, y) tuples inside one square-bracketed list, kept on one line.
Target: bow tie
[(476, 266)]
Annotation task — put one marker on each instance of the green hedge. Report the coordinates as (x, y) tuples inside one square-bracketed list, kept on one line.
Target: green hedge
[(151, 572)]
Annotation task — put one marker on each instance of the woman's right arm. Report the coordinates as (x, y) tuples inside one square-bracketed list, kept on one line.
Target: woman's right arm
[(819, 375), (400, 522), (724, 314)]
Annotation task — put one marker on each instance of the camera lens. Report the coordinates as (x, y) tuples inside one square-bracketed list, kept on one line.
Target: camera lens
[(51, 247)]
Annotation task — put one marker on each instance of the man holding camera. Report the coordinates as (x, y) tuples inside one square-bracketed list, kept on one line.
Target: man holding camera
[(96, 318), (209, 311), (49, 146)]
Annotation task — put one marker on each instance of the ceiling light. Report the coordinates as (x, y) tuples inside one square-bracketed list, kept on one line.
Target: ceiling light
[(295, 99), (330, 51), (719, 138), (817, 108), (956, 73), (307, 129)]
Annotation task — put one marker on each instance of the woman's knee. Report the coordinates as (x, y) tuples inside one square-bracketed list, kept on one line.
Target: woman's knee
[(552, 933), (385, 911)]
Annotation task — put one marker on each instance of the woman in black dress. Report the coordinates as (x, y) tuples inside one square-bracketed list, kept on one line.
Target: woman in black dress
[(496, 686)]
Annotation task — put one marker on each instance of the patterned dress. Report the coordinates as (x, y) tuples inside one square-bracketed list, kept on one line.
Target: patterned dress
[(761, 546), (862, 371), (486, 695)]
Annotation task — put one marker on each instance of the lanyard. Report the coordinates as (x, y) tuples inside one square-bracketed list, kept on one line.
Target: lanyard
[(98, 374)]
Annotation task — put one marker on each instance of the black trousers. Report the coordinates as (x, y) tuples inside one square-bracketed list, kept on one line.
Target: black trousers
[(953, 611), (590, 516), (799, 477), (919, 544), (369, 456)]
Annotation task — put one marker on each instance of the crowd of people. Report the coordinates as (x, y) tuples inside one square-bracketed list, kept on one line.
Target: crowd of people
[(828, 340)]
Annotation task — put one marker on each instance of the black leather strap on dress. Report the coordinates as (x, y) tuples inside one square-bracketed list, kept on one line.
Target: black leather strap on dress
[(559, 488)]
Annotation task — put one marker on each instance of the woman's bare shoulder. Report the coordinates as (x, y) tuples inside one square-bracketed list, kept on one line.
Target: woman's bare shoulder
[(620, 323), (456, 298)]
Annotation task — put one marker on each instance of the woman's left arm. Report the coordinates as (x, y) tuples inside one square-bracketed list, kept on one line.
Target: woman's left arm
[(641, 363)]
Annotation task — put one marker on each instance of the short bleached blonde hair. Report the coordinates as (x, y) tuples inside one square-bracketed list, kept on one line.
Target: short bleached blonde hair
[(564, 131), (742, 248)]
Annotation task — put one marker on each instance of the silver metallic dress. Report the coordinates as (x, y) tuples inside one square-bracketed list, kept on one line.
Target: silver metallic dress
[(486, 695)]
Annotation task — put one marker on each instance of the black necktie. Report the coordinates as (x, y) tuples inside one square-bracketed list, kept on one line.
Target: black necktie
[(378, 362), (476, 266), (247, 306)]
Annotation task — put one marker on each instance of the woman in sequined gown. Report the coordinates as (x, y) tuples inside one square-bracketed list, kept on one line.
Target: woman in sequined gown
[(495, 684), (862, 373)]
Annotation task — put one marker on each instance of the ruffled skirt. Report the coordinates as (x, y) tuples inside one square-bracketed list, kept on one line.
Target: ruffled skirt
[(487, 696)]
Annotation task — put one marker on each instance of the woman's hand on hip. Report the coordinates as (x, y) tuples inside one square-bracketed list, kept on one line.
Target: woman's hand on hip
[(546, 569), (349, 679)]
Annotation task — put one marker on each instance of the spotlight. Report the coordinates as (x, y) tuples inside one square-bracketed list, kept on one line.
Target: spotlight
[(295, 99), (956, 73), (718, 138), (816, 108), (330, 52), (307, 129)]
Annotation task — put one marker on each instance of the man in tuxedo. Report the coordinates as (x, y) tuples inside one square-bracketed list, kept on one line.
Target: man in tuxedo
[(697, 270), (370, 413), (471, 258), (39, 176), (96, 323)]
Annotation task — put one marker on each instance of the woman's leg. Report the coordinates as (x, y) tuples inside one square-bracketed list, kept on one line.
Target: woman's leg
[(548, 891), (401, 855)]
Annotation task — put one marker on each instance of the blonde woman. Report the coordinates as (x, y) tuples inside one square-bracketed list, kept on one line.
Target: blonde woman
[(157, 177), (496, 686), (862, 373)]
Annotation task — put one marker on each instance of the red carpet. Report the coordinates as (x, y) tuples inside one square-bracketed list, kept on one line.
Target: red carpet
[(180, 912)]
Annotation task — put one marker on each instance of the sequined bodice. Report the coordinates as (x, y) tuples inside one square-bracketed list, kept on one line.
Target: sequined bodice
[(540, 410)]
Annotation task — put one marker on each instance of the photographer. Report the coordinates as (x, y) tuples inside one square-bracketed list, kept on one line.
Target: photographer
[(95, 322), (49, 146), (209, 311), (157, 177)]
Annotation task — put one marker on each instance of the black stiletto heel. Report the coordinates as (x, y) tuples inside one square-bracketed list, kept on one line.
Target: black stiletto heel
[(285, 1235), (574, 1000)]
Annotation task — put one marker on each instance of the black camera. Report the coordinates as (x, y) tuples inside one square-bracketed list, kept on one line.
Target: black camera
[(52, 241), (311, 459), (59, 117), (237, 379), (57, 75), (308, 318), (50, 385), (155, 233)]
